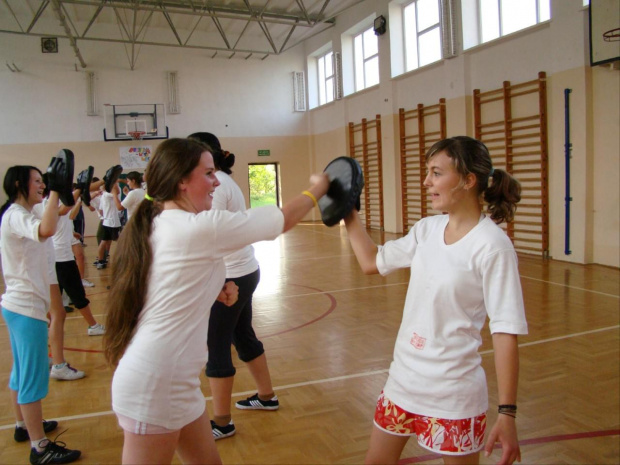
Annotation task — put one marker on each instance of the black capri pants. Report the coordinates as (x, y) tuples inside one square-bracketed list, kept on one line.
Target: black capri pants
[(70, 281), (233, 325)]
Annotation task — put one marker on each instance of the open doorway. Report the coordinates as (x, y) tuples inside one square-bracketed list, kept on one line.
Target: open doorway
[(264, 184)]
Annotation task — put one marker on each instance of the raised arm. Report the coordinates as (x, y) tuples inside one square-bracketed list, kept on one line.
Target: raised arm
[(363, 246), (300, 205), (47, 227)]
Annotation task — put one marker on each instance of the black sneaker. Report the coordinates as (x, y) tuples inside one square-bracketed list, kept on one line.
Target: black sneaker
[(54, 452), (21, 434), (221, 432), (254, 403)]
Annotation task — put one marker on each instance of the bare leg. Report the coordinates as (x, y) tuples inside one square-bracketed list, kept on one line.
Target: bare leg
[(472, 459), (103, 247), (260, 372), (57, 325), (31, 414), (384, 447), (149, 448), (196, 443), (88, 315), (221, 389)]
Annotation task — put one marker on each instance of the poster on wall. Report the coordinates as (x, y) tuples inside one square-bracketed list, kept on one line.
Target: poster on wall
[(135, 157)]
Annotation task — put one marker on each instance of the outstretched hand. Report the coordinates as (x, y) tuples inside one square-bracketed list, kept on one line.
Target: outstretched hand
[(229, 294), (321, 182), (505, 432)]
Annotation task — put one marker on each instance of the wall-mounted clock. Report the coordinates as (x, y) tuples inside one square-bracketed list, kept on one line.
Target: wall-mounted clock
[(49, 44)]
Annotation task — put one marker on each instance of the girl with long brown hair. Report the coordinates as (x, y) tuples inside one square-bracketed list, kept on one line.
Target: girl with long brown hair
[(463, 269), (168, 273)]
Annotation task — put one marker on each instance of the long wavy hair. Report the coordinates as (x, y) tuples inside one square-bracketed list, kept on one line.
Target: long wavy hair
[(172, 161), (472, 156), (16, 182)]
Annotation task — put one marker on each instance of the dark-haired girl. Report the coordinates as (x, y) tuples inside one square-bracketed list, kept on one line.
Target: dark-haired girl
[(233, 325), (25, 304), (169, 272), (463, 269)]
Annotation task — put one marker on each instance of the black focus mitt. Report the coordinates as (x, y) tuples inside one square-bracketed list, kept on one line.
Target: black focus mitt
[(345, 187), (60, 176)]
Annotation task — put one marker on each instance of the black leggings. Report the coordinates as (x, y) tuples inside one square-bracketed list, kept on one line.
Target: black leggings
[(233, 325)]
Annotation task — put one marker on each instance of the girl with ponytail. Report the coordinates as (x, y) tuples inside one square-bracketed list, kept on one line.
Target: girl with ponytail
[(463, 269), (168, 274)]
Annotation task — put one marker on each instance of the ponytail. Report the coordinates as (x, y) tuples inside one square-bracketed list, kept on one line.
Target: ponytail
[(173, 160), (502, 196), (130, 272)]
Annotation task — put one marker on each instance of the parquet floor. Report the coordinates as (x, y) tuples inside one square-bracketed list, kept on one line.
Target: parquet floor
[(329, 332)]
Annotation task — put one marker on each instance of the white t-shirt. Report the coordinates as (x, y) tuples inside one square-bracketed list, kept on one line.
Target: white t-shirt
[(228, 196), (63, 238), (132, 200), (157, 380), (109, 212), (436, 369), (24, 264)]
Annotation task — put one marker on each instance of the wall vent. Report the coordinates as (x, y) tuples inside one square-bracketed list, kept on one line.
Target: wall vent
[(299, 90), (174, 105), (449, 31), (91, 94), (338, 89)]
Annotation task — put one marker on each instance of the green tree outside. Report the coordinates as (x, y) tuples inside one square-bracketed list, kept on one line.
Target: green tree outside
[(262, 185)]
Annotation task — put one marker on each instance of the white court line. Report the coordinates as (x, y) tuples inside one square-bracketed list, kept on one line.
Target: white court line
[(571, 287), (336, 378)]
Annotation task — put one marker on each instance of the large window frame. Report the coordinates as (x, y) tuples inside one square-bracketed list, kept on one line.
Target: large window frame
[(366, 59), (422, 33), (326, 78), (507, 14)]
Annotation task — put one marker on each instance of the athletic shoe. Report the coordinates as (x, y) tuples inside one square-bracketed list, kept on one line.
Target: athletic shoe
[(21, 434), (87, 283), (96, 330), (54, 452), (254, 403), (101, 265), (221, 432), (65, 372)]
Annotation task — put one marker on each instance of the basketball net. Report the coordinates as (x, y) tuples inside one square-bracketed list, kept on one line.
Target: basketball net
[(136, 135)]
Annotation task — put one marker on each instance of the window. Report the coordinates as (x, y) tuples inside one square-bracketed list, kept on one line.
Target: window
[(501, 17), (326, 78), (366, 59), (422, 33), (486, 20)]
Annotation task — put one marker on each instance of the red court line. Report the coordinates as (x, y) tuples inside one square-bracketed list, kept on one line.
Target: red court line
[(92, 351), (329, 310), (527, 442)]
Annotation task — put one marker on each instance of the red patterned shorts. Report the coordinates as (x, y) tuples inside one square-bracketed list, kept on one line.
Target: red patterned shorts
[(452, 437)]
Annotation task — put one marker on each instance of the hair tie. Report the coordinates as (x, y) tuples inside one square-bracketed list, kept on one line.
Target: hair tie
[(491, 173), (226, 153), (148, 197)]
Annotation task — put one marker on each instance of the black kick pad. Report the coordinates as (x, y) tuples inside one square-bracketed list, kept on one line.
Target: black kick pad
[(111, 176), (61, 169), (345, 187), (83, 182)]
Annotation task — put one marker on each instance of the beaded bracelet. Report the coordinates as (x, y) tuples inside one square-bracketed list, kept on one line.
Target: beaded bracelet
[(507, 409)]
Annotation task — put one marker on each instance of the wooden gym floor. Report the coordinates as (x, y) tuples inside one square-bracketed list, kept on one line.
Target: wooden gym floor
[(329, 332)]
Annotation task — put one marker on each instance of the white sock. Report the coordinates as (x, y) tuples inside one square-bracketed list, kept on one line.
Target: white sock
[(20, 424), (37, 444)]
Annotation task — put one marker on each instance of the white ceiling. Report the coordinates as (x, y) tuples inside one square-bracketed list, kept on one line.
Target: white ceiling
[(233, 28)]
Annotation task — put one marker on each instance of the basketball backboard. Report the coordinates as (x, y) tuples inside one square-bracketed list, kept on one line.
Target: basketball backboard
[(604, 31), (124, 119)]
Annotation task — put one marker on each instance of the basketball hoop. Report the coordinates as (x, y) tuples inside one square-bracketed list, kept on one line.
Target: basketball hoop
[(136, 135), (612, 35)]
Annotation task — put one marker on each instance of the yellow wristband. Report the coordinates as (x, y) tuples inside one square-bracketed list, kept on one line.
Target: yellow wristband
[(311, 195)]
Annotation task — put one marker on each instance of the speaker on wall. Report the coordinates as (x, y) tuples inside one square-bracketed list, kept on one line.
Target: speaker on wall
[(380, 25)]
